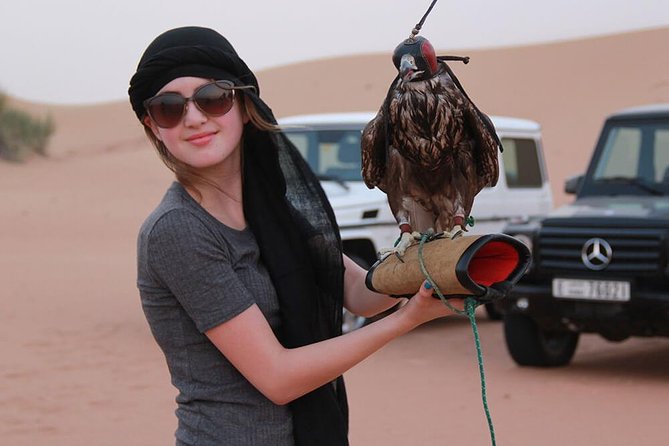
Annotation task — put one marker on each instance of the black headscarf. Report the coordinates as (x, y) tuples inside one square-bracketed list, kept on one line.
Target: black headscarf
[(286, 210)]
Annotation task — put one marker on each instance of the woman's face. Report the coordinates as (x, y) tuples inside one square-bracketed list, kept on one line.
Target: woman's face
[(199, 140)]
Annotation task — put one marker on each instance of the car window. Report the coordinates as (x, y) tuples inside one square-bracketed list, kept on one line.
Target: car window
[(620, 157), (521, 163), (661, 155), (635, 152), (332, 154)]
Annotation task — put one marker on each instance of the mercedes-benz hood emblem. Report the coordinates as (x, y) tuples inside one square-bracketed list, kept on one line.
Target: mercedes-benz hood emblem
[(596, 254)]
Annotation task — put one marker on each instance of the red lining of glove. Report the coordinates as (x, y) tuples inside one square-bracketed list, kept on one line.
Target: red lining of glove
[(493, 263)]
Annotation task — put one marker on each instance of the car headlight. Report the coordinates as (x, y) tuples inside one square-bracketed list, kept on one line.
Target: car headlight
[(524, 239)]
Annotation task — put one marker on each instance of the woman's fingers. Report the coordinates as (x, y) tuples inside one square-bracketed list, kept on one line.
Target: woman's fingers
[(427, 290)]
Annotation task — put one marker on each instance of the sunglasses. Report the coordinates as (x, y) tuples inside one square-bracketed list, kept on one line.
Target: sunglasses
[(213, 99)]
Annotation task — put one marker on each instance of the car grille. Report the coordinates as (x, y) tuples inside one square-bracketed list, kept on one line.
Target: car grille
[(636, 251)]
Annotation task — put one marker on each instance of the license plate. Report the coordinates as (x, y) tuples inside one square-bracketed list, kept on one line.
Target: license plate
[(599, 290)]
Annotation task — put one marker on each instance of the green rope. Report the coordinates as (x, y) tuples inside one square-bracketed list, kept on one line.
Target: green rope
[(470, 307)]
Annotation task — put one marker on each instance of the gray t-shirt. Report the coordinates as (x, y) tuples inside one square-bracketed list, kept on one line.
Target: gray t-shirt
[(195, 273)]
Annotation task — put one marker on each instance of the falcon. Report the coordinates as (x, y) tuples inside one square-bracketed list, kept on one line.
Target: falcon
[(429, 148)]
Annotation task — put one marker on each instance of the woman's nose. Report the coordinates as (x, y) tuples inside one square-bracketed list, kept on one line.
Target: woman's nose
[(194, 116)]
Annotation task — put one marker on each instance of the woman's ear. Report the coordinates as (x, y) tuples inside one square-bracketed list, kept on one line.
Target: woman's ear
[(152, 125)]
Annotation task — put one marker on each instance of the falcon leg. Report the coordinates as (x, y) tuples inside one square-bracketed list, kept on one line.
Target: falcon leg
[(458, 228), (407, 238)]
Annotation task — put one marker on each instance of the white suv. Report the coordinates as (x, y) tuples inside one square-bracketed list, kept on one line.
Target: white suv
[(331, 145)]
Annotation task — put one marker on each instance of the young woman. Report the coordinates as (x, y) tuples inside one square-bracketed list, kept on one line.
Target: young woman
[(240, 268)]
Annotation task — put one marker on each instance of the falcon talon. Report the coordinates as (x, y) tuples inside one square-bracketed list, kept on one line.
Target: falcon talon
[(433, 236), (459, 233), (383, 256)]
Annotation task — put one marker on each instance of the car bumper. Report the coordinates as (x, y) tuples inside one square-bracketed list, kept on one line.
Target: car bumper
[(646, 314)]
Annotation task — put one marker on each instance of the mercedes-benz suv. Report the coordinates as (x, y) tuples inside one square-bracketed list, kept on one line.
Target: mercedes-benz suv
[(601, 263)]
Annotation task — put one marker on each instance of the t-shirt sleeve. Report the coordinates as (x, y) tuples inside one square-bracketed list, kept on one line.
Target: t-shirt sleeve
[(188, 259)]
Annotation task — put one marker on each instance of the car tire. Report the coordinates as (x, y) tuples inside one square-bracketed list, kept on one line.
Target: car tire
[(529, 345)]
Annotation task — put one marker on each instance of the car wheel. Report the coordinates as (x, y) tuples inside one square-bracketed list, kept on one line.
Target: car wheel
[(529, 345)]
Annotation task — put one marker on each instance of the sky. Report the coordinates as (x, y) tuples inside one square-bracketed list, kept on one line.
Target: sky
[(85, 51)]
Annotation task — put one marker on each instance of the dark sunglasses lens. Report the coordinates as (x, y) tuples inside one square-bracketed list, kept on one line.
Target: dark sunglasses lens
[(166, 110), (214, 100)]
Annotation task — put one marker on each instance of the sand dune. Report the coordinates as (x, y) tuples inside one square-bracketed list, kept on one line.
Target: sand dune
[(568, 87)]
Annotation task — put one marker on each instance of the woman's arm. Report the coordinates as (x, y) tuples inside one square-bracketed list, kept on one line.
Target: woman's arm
[(358, 299), (283, 375)]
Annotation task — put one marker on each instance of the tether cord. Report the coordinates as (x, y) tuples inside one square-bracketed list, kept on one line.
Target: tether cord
[(470, 307), (419, 25)]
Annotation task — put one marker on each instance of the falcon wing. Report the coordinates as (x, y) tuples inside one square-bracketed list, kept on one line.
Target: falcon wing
[(487, 142), (373, 147), (487, 146)]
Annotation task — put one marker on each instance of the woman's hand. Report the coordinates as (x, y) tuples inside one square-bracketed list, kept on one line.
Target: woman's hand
[(424, 306)]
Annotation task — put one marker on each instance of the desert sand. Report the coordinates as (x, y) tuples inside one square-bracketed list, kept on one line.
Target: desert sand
[(80, 367)]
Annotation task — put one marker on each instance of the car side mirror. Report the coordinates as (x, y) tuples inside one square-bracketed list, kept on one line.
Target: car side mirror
[(573, 184)]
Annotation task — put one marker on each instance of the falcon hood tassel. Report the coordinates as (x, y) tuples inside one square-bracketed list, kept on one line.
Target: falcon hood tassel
[(429, 148)]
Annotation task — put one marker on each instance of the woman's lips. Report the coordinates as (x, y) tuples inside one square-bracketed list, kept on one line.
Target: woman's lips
[(201, 139)]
